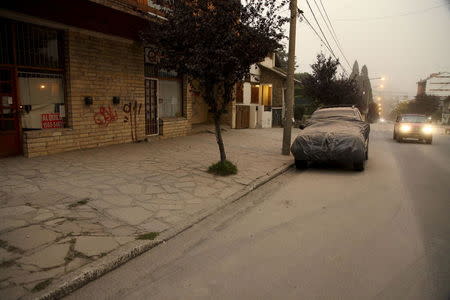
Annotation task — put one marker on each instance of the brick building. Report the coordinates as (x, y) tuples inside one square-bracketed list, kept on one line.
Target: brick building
[(75, 75)]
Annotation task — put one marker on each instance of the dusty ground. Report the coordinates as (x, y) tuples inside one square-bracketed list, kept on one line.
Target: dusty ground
[(60, 212)]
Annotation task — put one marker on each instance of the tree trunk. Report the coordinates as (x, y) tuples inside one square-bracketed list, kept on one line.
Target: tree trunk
[(219, 139)]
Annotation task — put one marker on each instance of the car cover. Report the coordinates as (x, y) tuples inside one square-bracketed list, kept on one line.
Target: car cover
[(331, 138)]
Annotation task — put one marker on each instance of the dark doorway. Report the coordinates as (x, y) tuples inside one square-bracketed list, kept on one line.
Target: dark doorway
[(9, 114)]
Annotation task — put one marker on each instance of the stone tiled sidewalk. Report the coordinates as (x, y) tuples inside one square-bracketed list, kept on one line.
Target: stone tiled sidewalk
[(60, 212)]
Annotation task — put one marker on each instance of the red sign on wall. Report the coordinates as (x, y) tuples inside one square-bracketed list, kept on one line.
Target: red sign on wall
[(52, 121)]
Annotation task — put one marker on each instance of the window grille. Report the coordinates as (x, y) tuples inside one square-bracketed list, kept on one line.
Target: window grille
[(38, 46)]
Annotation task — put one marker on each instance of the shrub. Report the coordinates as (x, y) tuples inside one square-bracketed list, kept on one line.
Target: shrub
[(299, 111), (224, 168)]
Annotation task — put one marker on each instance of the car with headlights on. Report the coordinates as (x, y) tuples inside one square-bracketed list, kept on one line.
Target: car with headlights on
[(333, 134), (414, 126)]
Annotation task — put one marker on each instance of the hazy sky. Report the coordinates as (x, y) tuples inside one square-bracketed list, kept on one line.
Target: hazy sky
[(404, 48)]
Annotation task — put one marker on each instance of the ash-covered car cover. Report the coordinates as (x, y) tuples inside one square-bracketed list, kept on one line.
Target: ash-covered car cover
[(335, 136)]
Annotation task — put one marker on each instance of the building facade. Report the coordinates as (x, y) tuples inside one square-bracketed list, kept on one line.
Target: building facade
[(437, 84), (260, 98), (75, 75)]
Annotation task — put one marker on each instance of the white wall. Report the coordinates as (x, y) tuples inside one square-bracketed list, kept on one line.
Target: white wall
[(439, 85), (269, 62), (247, 93), (255, 73)]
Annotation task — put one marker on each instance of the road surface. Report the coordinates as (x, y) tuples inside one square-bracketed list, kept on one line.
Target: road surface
[(324, 233)]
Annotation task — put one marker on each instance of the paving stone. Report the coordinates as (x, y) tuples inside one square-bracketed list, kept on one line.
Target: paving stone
[(6, 255), (153, 226), (123, 231), (153, 189), (228, 192), (107, 223), (175, 206), (170, 197), (55, 222), (192, 208), (243, 180), (43, 216), (29, 237), (130, 215), (14, 292), (122, 240), (49, 257), (76, 263), (185, 184), (118, 200), (170, 189), (173, 219), (130, 188), (163, 213), (88, 214), (39, 276), (101, 204), (90, 245), (8, 224), (10, 272), (90, 227), (4, 284), (15, 211), (149, 206), (68, 227), (144, 197), (204, 191)]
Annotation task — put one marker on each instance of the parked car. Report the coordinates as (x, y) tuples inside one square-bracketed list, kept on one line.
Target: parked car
[(333, 134), (413, 126)]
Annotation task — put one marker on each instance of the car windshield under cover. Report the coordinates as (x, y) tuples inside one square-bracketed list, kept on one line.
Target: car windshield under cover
[(414, 119), (330, 113)]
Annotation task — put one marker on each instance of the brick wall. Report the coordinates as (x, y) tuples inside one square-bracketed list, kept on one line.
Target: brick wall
[(103, 68)]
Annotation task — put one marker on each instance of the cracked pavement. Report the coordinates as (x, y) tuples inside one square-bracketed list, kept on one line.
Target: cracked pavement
[(63, 211)]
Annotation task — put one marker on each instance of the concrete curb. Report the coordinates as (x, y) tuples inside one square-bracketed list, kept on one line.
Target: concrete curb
[(118, 257)]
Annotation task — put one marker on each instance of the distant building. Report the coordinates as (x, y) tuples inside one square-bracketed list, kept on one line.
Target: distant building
[(437, 84)]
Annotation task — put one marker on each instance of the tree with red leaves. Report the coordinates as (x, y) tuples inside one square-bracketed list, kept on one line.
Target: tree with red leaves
[(214, 43)]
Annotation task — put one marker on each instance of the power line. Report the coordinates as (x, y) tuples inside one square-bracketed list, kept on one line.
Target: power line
[(393, 16), (323, 42), (320, 28), (327, 44), (324, 36), (333, 33)]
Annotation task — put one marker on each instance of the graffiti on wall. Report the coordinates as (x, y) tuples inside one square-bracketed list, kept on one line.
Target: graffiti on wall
[(105, 116), (132, 110)]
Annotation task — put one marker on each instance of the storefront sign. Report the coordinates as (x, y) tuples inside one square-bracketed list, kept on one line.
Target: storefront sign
[(51, 121)]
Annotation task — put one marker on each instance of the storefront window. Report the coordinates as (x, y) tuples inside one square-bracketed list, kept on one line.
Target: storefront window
[(170, 98), (42, 97), (36, 53)]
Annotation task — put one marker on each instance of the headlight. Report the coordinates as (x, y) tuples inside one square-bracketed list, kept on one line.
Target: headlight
[(427, 129), (405, 128)]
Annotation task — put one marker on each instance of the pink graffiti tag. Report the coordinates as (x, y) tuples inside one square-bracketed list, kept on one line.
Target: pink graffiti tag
[(105, 116)]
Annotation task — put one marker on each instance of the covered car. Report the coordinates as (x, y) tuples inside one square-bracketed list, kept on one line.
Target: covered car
[(333, 134)]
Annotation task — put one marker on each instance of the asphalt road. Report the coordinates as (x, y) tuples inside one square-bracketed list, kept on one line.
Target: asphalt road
[(324, 233)]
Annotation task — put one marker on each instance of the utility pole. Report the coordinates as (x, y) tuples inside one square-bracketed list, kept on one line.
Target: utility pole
[(289, 103)]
